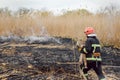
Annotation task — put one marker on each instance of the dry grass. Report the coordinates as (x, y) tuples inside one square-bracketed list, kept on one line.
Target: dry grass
[(107, 26)]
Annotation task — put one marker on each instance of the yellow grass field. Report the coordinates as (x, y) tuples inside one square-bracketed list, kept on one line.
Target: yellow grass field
[(107, 27)]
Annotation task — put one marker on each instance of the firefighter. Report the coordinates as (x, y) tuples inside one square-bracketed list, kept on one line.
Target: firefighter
[(92, 54)]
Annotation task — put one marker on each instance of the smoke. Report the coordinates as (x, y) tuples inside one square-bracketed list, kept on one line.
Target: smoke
[(39, 34), (44, 37), (30, 39)]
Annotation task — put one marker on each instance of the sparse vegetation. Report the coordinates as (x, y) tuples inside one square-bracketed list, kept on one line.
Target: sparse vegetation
[(71, 24)]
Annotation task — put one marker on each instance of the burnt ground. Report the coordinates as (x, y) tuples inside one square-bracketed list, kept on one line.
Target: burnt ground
[(49, 59)]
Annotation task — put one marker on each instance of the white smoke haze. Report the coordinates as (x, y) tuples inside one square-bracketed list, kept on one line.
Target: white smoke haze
[(30, 39), (43, 37), (43, 33)]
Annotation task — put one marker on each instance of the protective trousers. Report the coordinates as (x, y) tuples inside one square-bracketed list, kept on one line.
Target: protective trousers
[(97, 69)]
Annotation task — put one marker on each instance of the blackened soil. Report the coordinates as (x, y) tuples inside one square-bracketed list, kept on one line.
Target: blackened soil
[(38, 61)]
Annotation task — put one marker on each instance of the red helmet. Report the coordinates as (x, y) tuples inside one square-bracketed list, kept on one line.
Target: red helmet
[(89, 30)]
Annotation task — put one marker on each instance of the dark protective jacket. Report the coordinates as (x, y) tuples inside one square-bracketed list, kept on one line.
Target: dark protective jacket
[(92, 45)]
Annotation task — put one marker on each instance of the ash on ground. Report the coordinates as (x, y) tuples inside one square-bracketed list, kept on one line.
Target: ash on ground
[(46, 58)]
